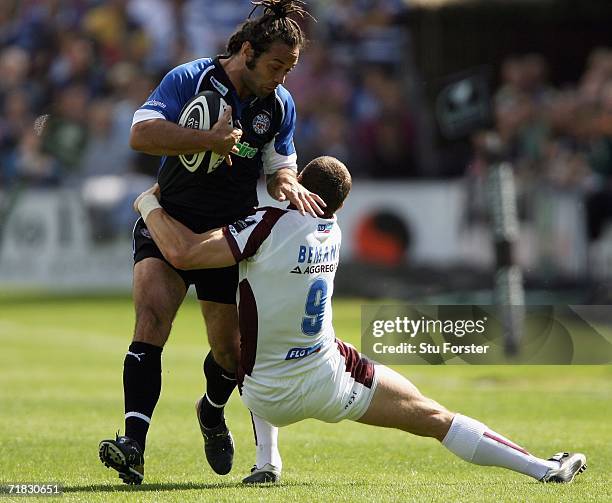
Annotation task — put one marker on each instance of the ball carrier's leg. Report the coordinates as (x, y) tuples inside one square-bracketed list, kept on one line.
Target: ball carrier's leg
[(158, 291), (221, 362), (219, 369), (397, 403)]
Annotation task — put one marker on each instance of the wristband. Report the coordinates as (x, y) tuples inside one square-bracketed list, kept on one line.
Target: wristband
[(147, 204)]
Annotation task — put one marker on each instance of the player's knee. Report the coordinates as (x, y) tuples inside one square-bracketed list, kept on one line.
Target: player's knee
[(226, 357), (225, 345), (151, 326), (436, 419), (225, 350)]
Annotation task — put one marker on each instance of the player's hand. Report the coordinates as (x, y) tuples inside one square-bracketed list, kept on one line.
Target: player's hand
[(225, 136), (300, 197), (154, 190)]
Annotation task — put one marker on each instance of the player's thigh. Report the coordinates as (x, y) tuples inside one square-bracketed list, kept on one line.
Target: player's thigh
[(158, 292), (223, 332), (397, 403)]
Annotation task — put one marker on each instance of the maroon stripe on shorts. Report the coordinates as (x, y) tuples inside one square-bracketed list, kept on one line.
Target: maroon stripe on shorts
[(360, 368), (247, 320), (231, 241), (262, 230)]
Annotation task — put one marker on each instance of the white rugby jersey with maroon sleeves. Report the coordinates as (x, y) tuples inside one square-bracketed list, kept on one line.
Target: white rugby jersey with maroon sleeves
[(287, 267)]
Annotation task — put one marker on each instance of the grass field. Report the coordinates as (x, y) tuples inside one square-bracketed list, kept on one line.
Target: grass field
[(61, 393)]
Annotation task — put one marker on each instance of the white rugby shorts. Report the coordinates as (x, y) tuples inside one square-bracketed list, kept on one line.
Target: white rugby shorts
[(341, 387)]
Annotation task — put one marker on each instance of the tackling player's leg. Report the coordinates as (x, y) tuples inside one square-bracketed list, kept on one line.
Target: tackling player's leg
[(158, 292), (397, 403), (268, 462)]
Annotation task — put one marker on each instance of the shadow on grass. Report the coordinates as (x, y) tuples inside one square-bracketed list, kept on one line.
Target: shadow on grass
[(177, 486), (189, 486)]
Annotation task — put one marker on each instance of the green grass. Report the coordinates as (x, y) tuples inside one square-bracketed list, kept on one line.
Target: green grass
[(61, 393)]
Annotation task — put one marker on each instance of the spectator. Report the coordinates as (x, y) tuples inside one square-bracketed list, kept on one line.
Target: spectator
[(65, 135), (64, 54), (599, 203), (107, 151), (118, 34)]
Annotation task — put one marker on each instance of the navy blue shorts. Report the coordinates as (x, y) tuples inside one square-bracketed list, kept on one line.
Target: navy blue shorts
[(214, 285)]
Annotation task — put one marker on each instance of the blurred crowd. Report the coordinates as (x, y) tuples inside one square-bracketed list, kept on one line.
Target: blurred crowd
[(561, 136), (78, 69)]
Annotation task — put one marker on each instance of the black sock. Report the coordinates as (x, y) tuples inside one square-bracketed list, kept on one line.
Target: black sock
[(141, 388), (219, 386)]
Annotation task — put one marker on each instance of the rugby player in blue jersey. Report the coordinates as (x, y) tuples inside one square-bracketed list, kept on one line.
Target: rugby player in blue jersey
[(249, 78)]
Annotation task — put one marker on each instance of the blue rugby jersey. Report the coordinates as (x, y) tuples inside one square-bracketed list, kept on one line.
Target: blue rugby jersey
[(268, 126)]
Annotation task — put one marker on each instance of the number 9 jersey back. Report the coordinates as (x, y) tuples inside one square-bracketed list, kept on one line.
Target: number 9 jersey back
[(287, 267), (292, 366)]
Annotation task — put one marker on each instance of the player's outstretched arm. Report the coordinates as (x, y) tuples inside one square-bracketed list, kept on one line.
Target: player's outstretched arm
[(162, 137), (284, 186), (180, 246)]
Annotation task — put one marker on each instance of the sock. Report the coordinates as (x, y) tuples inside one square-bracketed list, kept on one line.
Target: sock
[(266, 442), (219, 386), (141, 388), (475, 442)]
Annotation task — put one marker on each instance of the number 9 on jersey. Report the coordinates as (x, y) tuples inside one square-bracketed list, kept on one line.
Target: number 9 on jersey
[(312, 322)]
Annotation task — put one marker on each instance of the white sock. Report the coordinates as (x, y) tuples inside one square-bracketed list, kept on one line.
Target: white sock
[(475, 442), (266, 441)]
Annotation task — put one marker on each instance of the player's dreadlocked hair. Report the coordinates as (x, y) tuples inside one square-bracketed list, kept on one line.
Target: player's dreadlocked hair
[(274, 25)]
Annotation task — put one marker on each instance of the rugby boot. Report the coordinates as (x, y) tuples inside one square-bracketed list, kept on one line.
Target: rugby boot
[(267, 474), (125, 456), (218, 444), (570, 465)]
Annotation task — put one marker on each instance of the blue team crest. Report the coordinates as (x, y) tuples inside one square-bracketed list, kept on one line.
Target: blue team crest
[(261, 123)]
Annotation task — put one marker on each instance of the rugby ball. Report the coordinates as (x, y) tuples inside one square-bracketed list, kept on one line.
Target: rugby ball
[(202, 112)]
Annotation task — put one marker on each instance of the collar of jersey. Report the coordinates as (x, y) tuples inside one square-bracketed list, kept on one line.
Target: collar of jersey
[(226, 81), (331, 219)]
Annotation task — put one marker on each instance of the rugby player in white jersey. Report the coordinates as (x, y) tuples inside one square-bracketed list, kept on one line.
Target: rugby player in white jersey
[(292, 367)]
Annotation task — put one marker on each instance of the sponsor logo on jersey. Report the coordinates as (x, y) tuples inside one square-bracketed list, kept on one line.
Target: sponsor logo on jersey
[(315, 269), (321, 268), (297, 353), (318, 254), (325, 228), (261, 123), (145, 233), (245, 150), (218, 86), (238, 226), (154, 103)]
